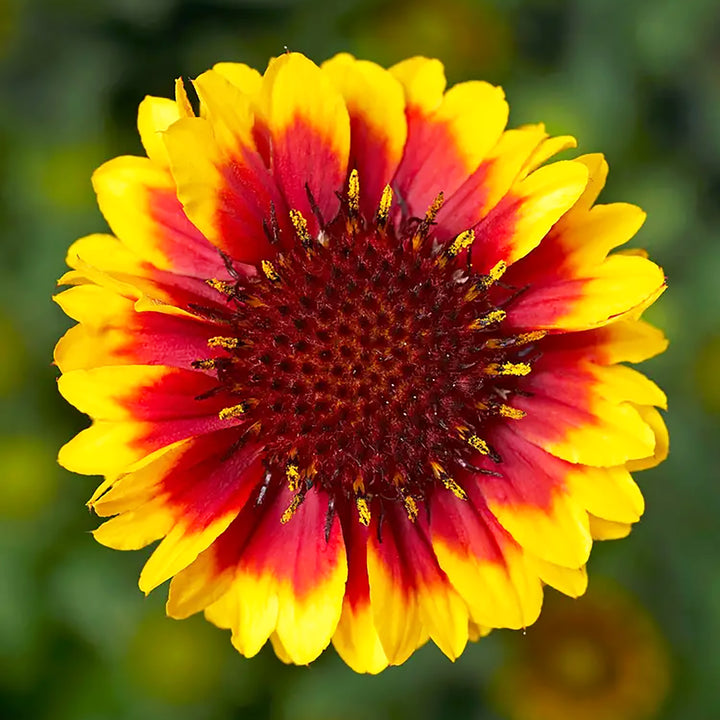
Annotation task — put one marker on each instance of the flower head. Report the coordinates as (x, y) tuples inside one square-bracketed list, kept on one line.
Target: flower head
[(601, 658), (353, 353)]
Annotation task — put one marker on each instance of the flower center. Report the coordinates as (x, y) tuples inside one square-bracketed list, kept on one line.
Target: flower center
[(369, 361)]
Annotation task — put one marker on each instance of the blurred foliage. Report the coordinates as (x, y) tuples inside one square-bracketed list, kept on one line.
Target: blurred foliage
[(636, 79)]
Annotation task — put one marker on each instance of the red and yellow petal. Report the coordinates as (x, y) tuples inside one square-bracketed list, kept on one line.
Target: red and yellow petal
[(137, 410), (489, 183), (194, 492), (112, 332), (533, 503), (139, 200), (447, 139), (600, 295), (378, 129), (206, 492), (105, 261), (521, 219), (589, 430), (483, 563), (225, 189), (624, 340), (289, 580), (304, 123), (356, 639), (410, 593)]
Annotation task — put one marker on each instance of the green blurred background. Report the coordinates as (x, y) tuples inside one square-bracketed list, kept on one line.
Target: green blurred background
[(638, 80)]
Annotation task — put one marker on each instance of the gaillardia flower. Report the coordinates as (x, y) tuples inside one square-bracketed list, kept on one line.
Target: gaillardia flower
[(354, 352), (601, 658)]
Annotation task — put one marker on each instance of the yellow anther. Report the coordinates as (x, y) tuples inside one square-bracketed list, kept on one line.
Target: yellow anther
[(463, 241), (204, 364), (529, 337), (294, 505), (453, 487), (383, 211), (508, 368), (497, 271), (363, 511), (228, 343), (292, 473), (428, 220), (434, 208), (270, 272), (354, 192), (222, 286), (514, 340), (301, 228), (411, 507), (511, 412), (479, 444), (235, 411), (485, 281), (495, 316)]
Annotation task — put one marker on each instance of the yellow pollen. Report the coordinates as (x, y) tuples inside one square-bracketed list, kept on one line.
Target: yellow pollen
[(363, 511), (529, 337), (511, 412), (294, 505), (235, 411), (204, 364), (480, 445), (463, 241), (508, 368), (383, 211), (485, 281), (434, 208), (301, 228), (428, 220), (354, 192), (411, 507), (491, 318), (512, 341), (293, 476), (229, 343), (270, 271), (453, 487), (497, 271), (222, 286)]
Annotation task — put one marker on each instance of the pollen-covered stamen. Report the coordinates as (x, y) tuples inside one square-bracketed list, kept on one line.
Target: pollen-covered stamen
[(499, 343), (297, 501), (507, 368), (423, 229), (222, 286), (462, 242), (492, 318), (292, 473), (232, 412), (301, 228), (229, 343), (363, 511), (383, 212), (365, 366), (270, 272), (484, 282)]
